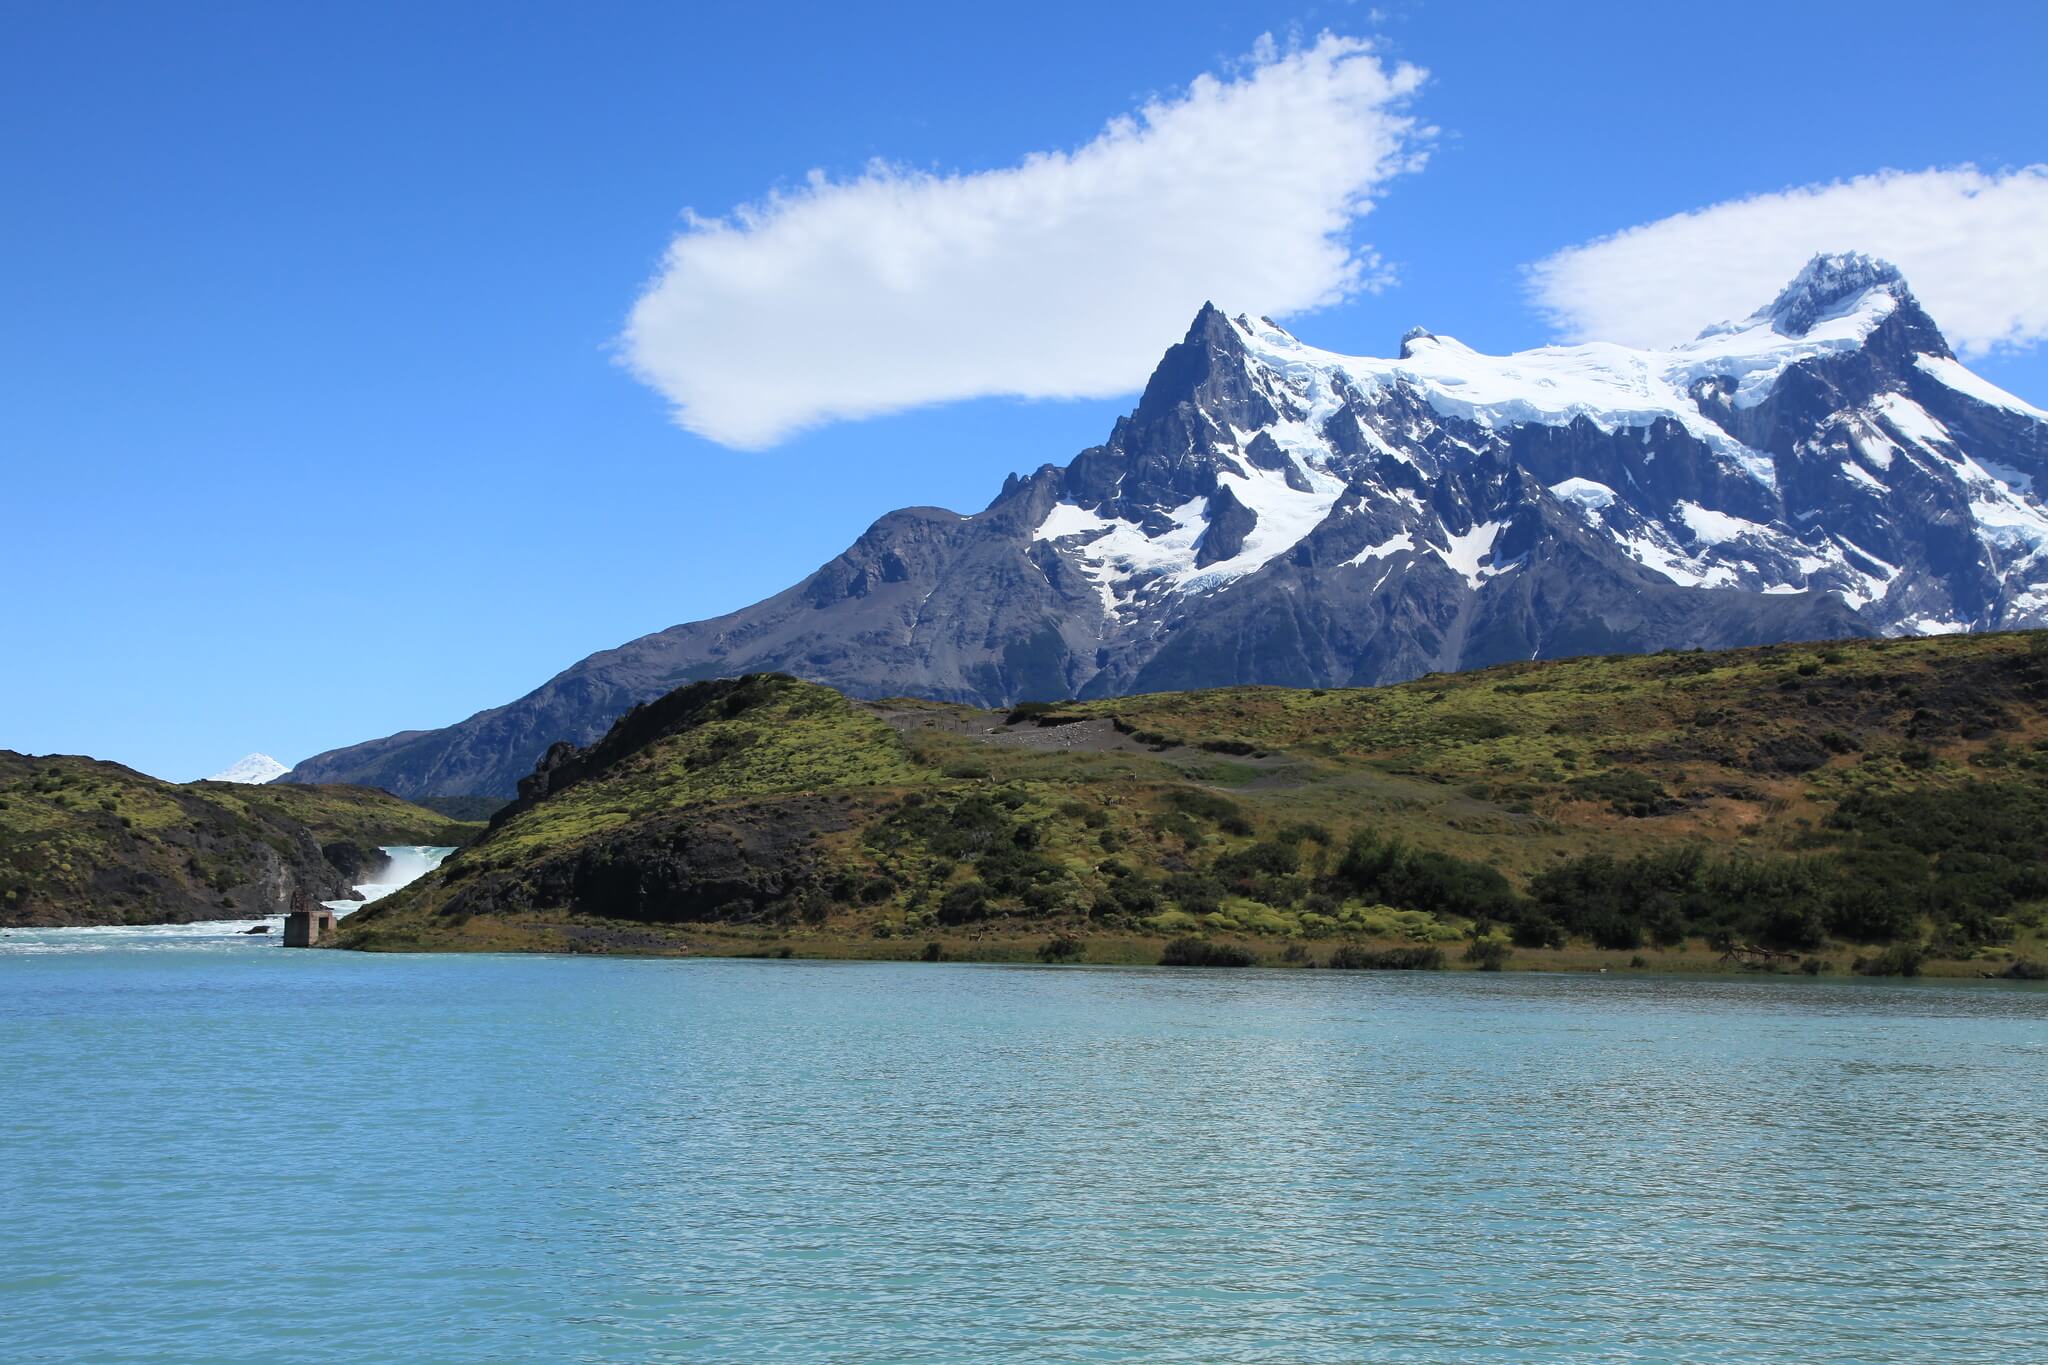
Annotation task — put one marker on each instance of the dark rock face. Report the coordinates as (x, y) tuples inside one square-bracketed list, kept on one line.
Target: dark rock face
[(1269, 513), (755, 863), (355, 862)]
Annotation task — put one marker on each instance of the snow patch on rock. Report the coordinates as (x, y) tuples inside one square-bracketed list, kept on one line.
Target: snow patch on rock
[(1386, 549), (1585, 494), (1959, 377), (1467, 549)]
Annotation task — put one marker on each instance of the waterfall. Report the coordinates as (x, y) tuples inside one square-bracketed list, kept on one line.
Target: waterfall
[(404, 864)]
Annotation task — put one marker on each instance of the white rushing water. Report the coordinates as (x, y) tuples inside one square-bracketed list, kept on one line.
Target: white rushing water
[(404, 864)]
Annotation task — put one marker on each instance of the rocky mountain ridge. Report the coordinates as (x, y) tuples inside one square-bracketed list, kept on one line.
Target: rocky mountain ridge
[(1274, 513)]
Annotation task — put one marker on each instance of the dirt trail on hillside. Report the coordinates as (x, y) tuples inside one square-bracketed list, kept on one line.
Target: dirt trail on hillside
[(1092, 736)]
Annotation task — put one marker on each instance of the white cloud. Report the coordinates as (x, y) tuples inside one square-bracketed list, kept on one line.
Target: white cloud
[(1063, 276), (1973, 246)]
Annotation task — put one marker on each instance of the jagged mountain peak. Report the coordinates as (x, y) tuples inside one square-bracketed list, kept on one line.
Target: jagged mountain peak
[(1828, 285), (1206, 371)]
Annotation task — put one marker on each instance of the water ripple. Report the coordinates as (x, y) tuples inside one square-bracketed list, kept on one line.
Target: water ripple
[(246, 1154)]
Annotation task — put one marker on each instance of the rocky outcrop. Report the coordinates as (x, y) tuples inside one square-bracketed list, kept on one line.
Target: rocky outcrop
[(84, 842), (735, 867)]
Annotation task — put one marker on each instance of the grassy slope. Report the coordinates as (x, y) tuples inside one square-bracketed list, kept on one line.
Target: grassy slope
[(86, 842), (338, 812), (878, 817)]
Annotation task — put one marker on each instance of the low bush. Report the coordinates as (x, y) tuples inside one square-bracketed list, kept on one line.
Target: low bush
[(1041, 713), (1199, 952), (1626, 792), (1271, 858), (1391, 873), (1901, 959), (1488, 954), (964, 904), (1061, 948), (1220, 811), (1197, 893), (1352, 958)]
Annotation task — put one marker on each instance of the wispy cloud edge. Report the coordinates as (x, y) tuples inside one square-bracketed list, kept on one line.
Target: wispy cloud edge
[(1972, 244), (1064, 275)]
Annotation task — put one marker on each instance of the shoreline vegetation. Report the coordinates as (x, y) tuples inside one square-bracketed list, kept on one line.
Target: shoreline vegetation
[(594, 936), (1874, 806), (87, 843)]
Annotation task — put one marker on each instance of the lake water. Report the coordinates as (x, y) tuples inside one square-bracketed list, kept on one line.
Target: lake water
[(215, 1149)]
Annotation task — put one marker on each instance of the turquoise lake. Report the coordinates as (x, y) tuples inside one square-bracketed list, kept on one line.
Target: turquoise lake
[(213, 1149)]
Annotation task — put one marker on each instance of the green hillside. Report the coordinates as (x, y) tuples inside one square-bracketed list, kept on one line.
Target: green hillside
[(1798, 805), (86, 842)]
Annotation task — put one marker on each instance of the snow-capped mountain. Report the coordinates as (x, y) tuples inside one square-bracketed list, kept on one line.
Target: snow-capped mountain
[(1275, 513), (252, 769)]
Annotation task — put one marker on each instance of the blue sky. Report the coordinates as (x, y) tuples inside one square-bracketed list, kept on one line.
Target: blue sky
[(313, 424)]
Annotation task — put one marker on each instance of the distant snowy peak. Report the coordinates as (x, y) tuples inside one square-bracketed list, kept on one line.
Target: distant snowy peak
[(254, 770), (1834, 306), (1829, 284)]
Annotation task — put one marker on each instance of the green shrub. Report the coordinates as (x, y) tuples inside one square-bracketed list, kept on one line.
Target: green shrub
[(1901, 959), (1197, 893), (1835, 742), (964, 904), (1352, 958), (1220, 811), (1270, 858), (1389, 872), (1673, 893), (1061, 948), (1626, 792), (1488, 954), (1041, 712), (1199, 952), (1475, 727), (1011, 870), (1179, 826)]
